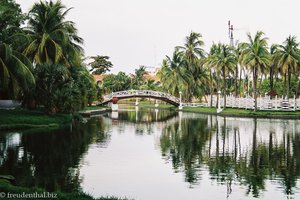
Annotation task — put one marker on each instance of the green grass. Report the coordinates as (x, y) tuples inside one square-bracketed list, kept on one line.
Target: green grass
[(200, 109), (94, 108), (6, 187), (152, 105), (21, 118), (244, 112)]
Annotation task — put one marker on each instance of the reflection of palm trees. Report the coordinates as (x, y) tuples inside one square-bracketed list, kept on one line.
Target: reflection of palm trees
[(222, 147), (185, 148)]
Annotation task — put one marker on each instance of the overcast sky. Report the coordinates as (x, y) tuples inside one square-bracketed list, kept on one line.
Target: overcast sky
[(142, 32)]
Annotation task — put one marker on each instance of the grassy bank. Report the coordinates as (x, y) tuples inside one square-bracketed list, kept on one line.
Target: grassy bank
[(245, 113), (94, 108), (152, 105), (6, 187), (21, 118)]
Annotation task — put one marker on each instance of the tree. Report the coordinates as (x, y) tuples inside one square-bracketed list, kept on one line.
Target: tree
[(11, 18), (224, 60), (138, 79), (100, 64), (210, 66), (114, 83), (15, 72), (192, 52), (50, 38), (256, 58), (174, 76), (288, 57)]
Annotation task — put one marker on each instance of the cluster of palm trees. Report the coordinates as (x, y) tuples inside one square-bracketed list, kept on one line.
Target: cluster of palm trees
[(196, 73), (42, 62)]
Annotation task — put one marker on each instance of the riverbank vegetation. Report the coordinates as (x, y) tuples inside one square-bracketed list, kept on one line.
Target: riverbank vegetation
[(22, 118), (41, 59)]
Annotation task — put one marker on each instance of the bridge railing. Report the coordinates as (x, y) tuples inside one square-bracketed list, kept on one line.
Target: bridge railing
[(141, 93)]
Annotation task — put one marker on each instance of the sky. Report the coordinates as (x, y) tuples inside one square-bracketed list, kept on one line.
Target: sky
[(142, 32)]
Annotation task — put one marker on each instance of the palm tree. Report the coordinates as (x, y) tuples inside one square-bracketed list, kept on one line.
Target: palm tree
[(273, 69), (192, 51), (15, 72), (49, 37), (224, 60), (238, 70), (210, 66), (256, 58), (288, 56), (174, 76)]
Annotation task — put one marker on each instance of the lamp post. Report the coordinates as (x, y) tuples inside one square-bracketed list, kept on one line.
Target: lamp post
[(180, 101)]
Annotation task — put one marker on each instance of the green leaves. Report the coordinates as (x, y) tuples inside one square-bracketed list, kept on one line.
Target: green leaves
[(15, 72), (52, 39), (100, 64)]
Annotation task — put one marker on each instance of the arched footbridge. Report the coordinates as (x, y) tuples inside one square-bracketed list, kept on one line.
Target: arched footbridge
[(142, 93)]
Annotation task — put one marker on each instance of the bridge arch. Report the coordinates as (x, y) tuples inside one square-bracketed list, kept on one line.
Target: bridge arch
[(142, 93)]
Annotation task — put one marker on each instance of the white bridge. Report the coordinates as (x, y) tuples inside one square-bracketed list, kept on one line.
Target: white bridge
[(142, 93), (263, 103)]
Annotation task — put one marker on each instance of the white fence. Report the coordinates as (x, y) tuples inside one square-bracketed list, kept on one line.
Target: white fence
[(263, 103)]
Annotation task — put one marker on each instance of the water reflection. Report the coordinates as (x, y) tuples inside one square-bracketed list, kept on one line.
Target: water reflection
[(50, 159), (256, 157), (245, 151)]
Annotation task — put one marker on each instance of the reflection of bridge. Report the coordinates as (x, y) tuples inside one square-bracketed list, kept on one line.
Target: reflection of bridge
[(144, 94)]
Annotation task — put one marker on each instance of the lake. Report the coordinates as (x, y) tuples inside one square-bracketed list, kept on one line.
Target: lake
[(149, 154)]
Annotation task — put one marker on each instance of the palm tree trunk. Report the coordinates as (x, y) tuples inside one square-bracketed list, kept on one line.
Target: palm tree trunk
[(254, 88), (224, 89), (210, 89), (271, 79), (285, 85), (240, 82), (218, 89), (289, 82), (236, 80)]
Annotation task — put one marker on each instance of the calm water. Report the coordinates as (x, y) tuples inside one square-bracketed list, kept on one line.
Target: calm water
[(151, 154)]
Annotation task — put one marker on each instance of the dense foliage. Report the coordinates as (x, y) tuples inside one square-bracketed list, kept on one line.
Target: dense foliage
[(42, 63)]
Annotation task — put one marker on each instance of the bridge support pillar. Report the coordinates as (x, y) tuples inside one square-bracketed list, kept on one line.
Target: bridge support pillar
[(136, 101), (156, 104), (114, 107), (180, 106)]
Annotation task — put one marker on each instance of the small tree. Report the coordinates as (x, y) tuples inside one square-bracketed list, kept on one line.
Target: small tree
[(100, 64)]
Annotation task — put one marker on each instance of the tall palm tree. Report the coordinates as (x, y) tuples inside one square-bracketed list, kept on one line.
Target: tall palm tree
[(224, 60), (50, 38), (273, 69), (238, 70), (288, 57), (209, 64), (174, 76), (15, 72), (256, 58), (192, 52)]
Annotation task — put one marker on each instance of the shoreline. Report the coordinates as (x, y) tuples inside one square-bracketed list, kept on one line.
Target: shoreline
[(243, 113), (234, 112)]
